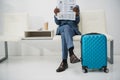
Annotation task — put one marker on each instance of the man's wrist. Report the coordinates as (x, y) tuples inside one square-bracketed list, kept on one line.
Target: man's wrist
[(77, 13)]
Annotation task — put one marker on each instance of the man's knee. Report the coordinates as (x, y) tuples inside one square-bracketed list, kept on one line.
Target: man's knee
[(67, 28)]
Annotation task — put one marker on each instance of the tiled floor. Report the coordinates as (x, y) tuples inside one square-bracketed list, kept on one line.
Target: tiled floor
[(43, 68)]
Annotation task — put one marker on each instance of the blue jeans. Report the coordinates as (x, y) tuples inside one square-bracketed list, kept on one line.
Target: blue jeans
[(67, 34)]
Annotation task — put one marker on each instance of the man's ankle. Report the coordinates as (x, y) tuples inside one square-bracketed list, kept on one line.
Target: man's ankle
[(64, 61), (71, 51)]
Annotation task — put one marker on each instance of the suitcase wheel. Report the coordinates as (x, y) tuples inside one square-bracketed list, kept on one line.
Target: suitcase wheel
[(106, 70), (84, 69)]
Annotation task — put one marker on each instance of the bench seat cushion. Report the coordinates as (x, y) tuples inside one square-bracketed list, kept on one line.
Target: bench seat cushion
[(78, 37)]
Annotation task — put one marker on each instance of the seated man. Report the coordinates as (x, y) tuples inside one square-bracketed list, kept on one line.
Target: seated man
[(67, 29)]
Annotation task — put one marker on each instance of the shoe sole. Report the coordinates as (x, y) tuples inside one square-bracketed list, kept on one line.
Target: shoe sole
[(62, 70)]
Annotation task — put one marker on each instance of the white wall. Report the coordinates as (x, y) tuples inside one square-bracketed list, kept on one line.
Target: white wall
[(44, 10)]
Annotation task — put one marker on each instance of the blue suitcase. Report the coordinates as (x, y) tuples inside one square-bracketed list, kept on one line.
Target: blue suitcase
[(94, 52)]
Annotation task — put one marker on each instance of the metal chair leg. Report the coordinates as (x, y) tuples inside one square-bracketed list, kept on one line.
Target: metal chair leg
[(111, 59), (6, 52)]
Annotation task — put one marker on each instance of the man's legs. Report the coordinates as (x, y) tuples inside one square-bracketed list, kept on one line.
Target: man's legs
[(63, 64), (67, 41), (67, 34)]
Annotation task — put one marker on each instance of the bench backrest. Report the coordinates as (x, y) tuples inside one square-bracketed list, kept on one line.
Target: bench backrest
[(92, 21)]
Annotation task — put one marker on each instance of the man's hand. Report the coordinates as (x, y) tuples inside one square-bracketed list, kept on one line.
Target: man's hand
[(76, 10), (56, 10)]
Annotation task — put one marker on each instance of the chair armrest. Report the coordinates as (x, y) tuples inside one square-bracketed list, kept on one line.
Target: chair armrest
[(111, 48), (109, 37)]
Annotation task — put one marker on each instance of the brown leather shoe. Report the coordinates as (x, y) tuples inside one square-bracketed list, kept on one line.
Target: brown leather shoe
[(62, 67), (74, 59)]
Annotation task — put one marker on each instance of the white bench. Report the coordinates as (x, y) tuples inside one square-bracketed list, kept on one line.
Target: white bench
[(91, 21)]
